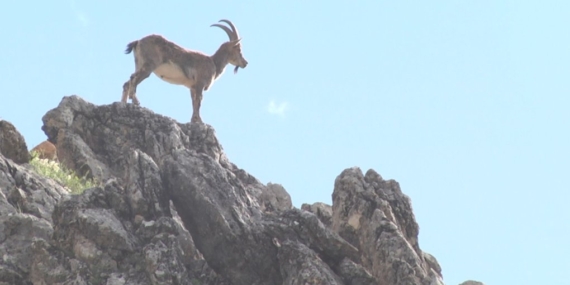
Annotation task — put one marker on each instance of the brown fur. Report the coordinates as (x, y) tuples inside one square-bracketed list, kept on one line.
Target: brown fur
[(177, 65), (46, 150)]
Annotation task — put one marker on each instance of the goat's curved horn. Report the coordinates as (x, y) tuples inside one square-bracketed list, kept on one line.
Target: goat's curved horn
[(232, 26), (226, 29)]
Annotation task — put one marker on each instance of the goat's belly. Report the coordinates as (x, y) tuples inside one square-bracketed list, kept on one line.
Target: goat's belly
[(172, 74)]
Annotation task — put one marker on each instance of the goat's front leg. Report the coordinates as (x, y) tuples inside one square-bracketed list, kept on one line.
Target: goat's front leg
[(196, 103)]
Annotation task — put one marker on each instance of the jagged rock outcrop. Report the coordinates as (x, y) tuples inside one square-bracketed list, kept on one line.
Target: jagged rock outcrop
[(376, 217), (12, 143), (172, 209), (322, 210)]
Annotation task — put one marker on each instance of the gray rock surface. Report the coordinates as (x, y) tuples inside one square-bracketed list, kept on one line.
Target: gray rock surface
[(12, 143), (26, 204), (322, 210), (275, 198), (377, 218), (172, 209)]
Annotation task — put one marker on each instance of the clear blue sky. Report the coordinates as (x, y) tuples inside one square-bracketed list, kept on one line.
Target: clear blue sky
[(465, 103)]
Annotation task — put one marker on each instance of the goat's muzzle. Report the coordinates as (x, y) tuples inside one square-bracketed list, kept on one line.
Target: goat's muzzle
[(243, 65)]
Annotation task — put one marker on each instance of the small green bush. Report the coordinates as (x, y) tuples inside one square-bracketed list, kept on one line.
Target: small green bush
[(67, 178)]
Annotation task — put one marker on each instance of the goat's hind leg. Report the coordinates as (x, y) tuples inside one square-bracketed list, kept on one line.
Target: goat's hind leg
[(126, 90), (130, 87), (129, 90)]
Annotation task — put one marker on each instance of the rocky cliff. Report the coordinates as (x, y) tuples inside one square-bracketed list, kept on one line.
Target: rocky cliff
[(172, 209)]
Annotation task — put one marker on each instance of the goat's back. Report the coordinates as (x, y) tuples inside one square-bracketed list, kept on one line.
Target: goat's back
[(46, 150)]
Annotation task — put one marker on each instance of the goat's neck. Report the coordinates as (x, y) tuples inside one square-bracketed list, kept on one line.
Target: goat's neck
[(220, 59)]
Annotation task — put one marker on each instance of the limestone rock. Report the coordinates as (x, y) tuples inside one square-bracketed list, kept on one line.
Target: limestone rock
[(154, 159), (275, 198), (172, 209), (26, 204), (376, 217), (12, 143), (322, 210)]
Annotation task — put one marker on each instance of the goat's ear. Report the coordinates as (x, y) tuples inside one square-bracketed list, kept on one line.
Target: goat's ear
[(236, 42)]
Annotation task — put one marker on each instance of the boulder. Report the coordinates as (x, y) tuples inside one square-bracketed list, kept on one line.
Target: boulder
[(12, 143)]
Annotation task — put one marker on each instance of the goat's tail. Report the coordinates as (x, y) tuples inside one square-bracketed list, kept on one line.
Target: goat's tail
[(131, 46)]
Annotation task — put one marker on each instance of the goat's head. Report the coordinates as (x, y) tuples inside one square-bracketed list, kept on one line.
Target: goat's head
[(233, 46)]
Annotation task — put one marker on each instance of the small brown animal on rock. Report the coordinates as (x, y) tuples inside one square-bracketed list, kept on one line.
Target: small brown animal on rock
[(46, 150)]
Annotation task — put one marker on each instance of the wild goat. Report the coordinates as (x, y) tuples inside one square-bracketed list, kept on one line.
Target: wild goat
[(177, 65)]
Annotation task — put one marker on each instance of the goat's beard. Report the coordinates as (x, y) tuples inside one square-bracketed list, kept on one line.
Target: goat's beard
[(236, 69)]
